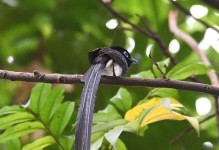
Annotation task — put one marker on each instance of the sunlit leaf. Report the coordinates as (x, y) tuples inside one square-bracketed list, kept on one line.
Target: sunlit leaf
[(15, 118), (158, 109), (49, 105), (122, 100), (135, 112), (185, 70), (62, 117), (105, 117), (19, 130), (113, 135), (96, 145), (40, 143), (38, 93), (10, 109), (107, 126)]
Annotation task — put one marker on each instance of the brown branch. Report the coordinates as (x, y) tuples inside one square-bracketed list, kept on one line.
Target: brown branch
[(173, 17), (124, 81), (153, 35), (185, 11)]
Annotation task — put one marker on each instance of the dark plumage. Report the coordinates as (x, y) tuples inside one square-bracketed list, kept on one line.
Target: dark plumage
[(108, 61)]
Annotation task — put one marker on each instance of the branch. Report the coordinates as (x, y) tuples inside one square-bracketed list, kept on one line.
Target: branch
[(173, 17), (185, 11), (124, 81), (151, 34)]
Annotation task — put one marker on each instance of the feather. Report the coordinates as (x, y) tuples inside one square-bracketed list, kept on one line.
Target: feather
[(85, 113)]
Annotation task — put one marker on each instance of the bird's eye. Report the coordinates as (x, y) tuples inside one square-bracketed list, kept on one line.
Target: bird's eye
[(126, 54)]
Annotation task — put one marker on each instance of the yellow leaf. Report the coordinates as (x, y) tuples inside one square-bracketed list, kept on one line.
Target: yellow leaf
[(133, 113), (159, 109), (161, 113), (194, 123)]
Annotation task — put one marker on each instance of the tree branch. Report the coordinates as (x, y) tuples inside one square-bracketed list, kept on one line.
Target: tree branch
[(185, 11), (149, 33), (124, 81), (173, 18)]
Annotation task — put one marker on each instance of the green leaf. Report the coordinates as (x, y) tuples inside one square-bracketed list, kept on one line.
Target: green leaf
[(16, 118), (20, 129), (185, 70), (66, 142), (122, 100), (163, 92), (39, 93), (13, 144), (62, 117), (96, 145), (96, 136), (113, 135), (10, 109), (120, 145), (39, 144), (162, 65), (144, 74), (107, 126), (49, 105), (101, 117)]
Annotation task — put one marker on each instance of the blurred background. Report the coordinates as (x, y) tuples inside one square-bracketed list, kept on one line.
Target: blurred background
[(54, 36)]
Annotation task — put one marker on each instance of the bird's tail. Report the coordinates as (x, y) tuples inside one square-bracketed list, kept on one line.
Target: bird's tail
[(86, 107)]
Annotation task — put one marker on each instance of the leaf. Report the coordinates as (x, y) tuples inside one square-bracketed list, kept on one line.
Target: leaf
[(162, 65), (122, 100), (40, 91), (66, 142), (136, 111), (96, 145), (158, 109), (120, 145), (15, 118), (10, 109), (13, 144), (101, 117), (113, 135), (39, 144), (185, 70), (50, 104), (163, 92), (20, 129), (62, 117), (107, 126), (144, 74)]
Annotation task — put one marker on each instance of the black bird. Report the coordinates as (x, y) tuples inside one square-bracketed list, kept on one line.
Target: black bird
[(110, 61)]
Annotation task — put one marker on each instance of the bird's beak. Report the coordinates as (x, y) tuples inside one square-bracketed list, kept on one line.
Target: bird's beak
[(134, 61)]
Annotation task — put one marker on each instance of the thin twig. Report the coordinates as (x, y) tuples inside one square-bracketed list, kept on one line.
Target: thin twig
[(158, 67), (153, 35), (124, 81), (185, 11), (173, 17)]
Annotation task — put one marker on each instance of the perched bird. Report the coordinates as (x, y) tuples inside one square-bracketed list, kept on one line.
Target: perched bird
[(110, 61)]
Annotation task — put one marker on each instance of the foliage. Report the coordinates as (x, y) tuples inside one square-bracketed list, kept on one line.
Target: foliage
[(44, 111), (55, 36)]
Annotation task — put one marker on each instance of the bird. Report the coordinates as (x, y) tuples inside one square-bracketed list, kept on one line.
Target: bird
[(109, 61)]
